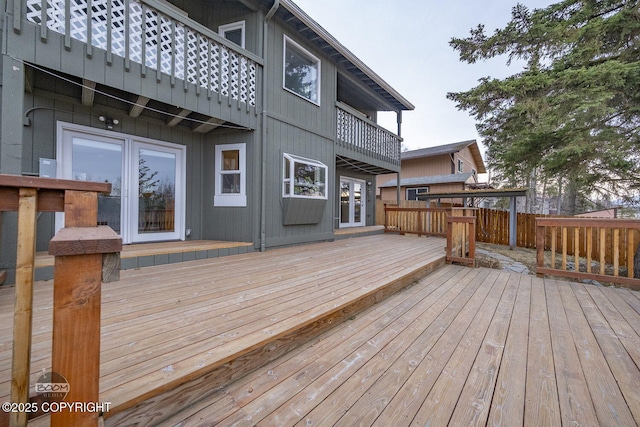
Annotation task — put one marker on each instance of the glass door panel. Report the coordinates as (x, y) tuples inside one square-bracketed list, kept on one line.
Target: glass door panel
[(157, 172), (345, 197), (357, 203), (100, 161)]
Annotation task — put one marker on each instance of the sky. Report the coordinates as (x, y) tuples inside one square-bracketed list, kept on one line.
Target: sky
[(406, 42)]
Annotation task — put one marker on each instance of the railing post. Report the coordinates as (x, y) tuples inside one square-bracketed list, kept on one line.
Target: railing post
[(21, 365), (540, 233), (78, 249)]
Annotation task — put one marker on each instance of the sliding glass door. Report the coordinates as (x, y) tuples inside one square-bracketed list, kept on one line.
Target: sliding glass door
[(147, 177)]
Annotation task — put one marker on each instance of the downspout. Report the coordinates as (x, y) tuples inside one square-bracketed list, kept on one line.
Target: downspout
[(263, 189)]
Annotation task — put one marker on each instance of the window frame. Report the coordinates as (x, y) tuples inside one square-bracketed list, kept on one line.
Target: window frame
[(288, 41), (239, 25), (293, 159), (460, 166), (221, 199), (416, 190)]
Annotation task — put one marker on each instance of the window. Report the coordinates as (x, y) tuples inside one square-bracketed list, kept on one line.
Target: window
[(412, 193), (304, 178), (233, 32), (230, 169), (460, 166), (301, 72)]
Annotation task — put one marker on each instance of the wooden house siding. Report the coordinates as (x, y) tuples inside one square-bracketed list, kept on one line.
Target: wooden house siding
[(286, 138), (466, 157), (230, 223), (388, 194)]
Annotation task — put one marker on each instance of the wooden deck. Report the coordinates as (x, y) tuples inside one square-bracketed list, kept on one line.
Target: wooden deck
[(459, 347), (172, 333), (462, 347)]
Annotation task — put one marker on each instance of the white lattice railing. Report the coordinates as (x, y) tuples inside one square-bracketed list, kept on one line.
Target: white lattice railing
[(365, 136), (159, 40)]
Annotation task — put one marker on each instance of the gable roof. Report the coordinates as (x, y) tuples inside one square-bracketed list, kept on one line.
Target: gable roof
[(430, 180), (448, 149), (306, 27)]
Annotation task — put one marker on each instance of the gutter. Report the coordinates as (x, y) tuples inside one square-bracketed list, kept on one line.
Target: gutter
[(263, 154)]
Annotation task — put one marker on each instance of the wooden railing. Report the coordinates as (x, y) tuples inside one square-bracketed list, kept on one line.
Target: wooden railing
[(596, 249), (456, 224), (154, 35), (461, 241), (358, 133), (79, 250), (420, 221)]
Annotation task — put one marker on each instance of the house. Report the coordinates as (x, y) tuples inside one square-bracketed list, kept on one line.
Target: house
[(218, 120), (445, 168)]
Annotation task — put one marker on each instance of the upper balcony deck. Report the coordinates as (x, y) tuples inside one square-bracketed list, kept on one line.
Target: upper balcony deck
[(142, 47), (363, 141)]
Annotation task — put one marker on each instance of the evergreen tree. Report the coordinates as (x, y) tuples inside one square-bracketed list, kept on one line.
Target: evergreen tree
[(573, 113)]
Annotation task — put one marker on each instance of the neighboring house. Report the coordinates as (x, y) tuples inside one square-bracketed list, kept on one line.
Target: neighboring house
[(213, 119), (445, 168)]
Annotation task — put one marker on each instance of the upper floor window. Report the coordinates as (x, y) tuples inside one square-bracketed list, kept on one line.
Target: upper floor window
[(460, 166), (413, 193), (233, 32), (304, 177), (230, 169), (301, 71)]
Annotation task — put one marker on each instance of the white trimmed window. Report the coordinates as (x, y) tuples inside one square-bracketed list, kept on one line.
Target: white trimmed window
[(305, 178), (301, 71), (412, 193), (233, 32), (460, 166), (231, 175)]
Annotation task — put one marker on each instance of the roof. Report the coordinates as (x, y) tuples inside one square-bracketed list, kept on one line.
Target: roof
[(440, 150), (430, 180), (306, 27)]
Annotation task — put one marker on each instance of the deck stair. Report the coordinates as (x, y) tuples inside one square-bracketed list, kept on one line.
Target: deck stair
[(174, 334)]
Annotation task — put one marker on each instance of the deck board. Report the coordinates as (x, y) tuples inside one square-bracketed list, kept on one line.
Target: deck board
[(461, 347)]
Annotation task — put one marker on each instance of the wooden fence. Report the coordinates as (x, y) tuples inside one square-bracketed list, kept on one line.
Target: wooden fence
[(421, 221), (599, 249), (492, 226)]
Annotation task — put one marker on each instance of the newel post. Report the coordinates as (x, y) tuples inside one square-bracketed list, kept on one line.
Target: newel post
[(78, 249)]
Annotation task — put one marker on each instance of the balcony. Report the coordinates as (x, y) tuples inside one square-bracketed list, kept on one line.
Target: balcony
[(363, 144), (145, 39)]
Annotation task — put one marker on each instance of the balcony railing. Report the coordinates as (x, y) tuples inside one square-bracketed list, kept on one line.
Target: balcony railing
[(156, 37), (364, 136)]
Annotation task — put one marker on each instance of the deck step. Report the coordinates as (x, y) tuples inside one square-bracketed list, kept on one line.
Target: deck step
[(174, 334), (150, 254), (255, 353)]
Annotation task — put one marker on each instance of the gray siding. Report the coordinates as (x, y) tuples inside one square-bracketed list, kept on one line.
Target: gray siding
[(297, 126), (286, 138), (236, 224)]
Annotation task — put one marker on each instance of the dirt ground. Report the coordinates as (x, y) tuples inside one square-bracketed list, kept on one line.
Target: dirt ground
[(523, 255)]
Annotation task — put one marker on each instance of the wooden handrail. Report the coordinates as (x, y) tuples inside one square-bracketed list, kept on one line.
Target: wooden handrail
[(575, 237), (79, 201)]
